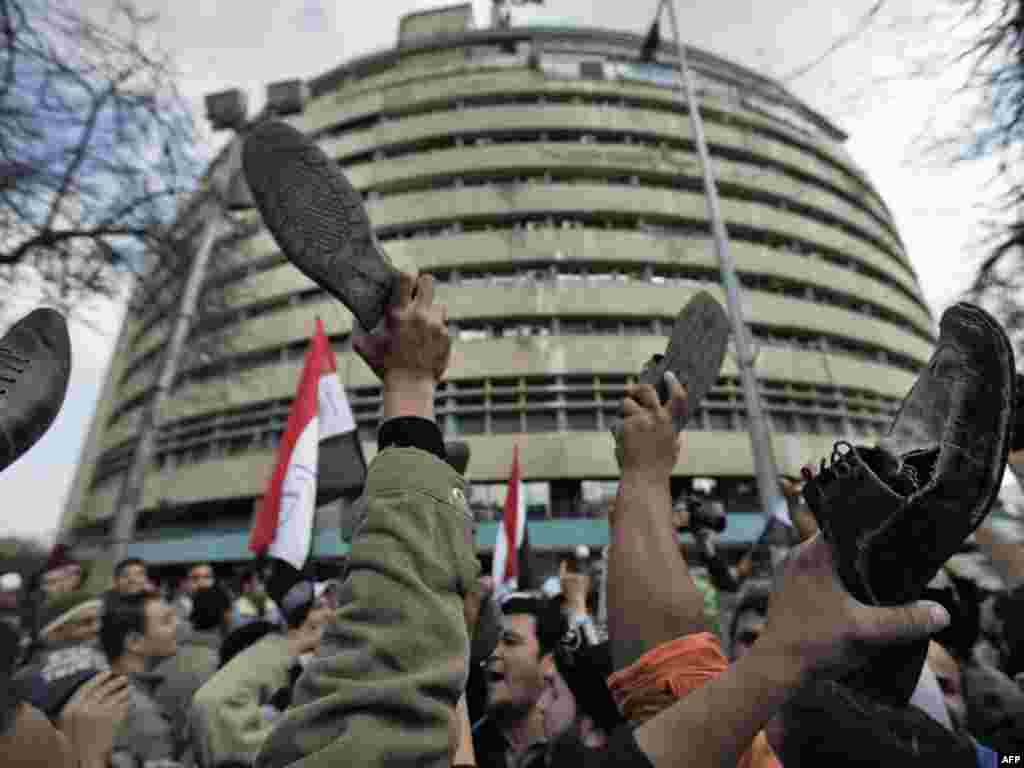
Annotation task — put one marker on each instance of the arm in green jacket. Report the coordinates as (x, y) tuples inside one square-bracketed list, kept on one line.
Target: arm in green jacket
[(226, 720)]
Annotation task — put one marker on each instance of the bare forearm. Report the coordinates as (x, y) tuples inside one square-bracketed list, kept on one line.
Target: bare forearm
[(716, 723), (651, 597), (406, 395)]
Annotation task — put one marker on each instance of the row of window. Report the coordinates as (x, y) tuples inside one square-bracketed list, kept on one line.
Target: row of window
[(550, 270), (674, 106), (518, 405), (759, 162), (568, 273), (648, 181), (235, 272), (653, 224), (223, 364)]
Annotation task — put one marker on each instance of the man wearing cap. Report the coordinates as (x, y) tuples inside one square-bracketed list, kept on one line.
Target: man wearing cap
[(227, 721), (63, 573), (66, 650)]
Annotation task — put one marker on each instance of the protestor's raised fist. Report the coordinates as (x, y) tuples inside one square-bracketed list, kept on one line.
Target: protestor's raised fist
[(414, 342), (575, 586), (647, 442)]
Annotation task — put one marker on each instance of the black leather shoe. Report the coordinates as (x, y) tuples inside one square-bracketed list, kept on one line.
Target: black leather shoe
[(35, 364), (318, 219), (894, 514)]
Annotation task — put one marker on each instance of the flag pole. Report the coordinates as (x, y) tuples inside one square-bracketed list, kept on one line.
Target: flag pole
[(772, 503)]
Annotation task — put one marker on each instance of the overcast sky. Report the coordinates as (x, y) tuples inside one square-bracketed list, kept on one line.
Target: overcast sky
[(240, 43)]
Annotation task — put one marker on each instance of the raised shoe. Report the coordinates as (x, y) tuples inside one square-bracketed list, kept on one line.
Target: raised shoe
[(695, 352), (318, 219), (894, 514), (35, 365)]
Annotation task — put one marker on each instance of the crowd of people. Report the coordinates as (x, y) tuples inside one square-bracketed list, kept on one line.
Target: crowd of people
[(851, 643)]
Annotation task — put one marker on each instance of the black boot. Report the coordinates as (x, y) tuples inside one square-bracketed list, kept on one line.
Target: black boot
[(894, 514)]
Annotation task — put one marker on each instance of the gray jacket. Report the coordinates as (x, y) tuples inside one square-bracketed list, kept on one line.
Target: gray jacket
[(146, 733), (183, 674)]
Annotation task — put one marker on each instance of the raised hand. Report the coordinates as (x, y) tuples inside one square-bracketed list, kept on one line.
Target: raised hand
[(91, 717), (648, 443), (414, 343), (815, 627)]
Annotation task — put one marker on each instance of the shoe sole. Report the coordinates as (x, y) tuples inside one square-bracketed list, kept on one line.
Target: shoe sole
[(56, 342), (318, 219), (696, 350)]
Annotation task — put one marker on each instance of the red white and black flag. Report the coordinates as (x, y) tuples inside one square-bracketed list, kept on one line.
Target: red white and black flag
[(510, 569), (283, 527)]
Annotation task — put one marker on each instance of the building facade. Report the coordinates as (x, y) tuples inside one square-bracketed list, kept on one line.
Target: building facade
[(548, 179)]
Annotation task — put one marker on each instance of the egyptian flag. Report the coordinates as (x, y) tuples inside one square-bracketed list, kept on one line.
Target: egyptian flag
[(510, 545), (283, 526)]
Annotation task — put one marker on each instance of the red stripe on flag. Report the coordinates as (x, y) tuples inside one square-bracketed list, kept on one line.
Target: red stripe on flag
[(319, 355), (510, 520)]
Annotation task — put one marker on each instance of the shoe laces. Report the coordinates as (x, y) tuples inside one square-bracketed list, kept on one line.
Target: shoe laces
[(839, 465), (12, 365), (902, 478)]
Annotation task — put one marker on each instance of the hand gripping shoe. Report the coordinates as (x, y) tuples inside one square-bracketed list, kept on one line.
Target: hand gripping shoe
[(35, 364), (695, 354), (318, 219), (894, 514)]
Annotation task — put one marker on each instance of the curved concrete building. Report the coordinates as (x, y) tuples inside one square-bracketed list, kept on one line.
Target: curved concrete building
[(549, 180)]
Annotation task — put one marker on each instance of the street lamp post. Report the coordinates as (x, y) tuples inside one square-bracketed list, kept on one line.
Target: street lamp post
[(212, 212), (772, 503)]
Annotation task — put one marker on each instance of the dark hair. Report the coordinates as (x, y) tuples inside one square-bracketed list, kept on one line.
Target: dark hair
[(547, 614), (121, 566), (208, 608), (753, 597), (243, 637), (122, 615), (585, 669)]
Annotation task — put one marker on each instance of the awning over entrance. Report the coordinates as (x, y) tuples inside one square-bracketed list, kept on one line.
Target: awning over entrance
[(181, 546)]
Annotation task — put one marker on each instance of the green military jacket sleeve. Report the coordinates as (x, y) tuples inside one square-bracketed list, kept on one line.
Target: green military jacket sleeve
[(226, 722), (394, 660)]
